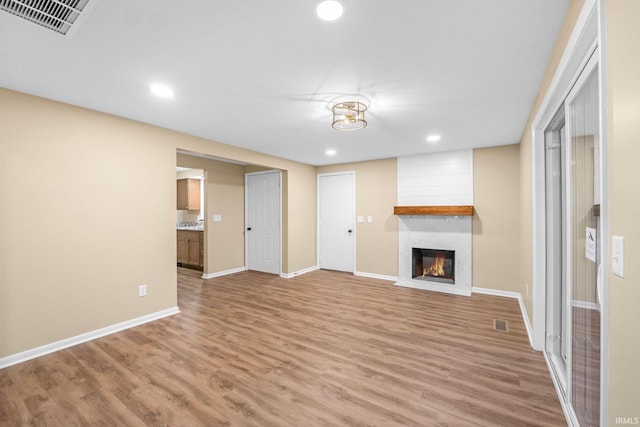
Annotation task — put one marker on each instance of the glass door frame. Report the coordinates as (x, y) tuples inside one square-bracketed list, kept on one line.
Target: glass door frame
[(558, 316)]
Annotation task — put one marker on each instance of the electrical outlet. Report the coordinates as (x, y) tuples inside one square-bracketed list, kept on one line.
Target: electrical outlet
[(142, 290)]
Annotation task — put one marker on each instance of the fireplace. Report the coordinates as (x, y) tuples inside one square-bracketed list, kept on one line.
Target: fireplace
[(435, 210), (446, 235), (433, 265)]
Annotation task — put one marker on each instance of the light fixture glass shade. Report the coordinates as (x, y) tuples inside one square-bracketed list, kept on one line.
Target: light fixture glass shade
[(349, 115)]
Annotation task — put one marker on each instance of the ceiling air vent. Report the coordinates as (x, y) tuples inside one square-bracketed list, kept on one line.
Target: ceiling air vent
[(56, 15)]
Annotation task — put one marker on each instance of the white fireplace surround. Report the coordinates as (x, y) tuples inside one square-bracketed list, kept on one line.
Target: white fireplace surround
[(451, 233), (436, 179)]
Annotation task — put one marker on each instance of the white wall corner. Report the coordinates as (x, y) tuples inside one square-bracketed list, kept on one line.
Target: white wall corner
[(223, 273), (527, 323), (299, 272)]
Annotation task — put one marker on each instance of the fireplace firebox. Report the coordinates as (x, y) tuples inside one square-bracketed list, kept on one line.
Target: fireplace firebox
[(434, 265)]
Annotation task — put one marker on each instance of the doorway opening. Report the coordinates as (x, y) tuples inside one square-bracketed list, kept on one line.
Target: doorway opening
[(190, 219)]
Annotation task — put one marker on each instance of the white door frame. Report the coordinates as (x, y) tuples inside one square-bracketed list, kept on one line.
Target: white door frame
[(586, 39), (246, 216), (355, 234)]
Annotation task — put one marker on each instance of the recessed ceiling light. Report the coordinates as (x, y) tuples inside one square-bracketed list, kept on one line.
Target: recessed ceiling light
[(433, 138), (329, 10), (161, 90), (330, 152)]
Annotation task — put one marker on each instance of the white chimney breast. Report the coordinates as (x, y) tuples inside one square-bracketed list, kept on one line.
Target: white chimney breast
[(436, 179)]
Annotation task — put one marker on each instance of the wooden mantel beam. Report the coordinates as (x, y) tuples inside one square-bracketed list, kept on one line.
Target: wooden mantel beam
[(434, 210)]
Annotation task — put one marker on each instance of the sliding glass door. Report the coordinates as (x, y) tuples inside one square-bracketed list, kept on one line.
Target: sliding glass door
[(572, 241), (584, 238)]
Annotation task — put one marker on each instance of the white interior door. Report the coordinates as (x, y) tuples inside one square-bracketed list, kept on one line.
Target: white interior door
[(262, 236), (336, 221)]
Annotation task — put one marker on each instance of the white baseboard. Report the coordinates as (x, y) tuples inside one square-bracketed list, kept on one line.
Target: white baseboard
[(527, 324), (495, 292), (224, 273), (376, 276), (510, 294), (434, 288), (14, 359), (299, 272)]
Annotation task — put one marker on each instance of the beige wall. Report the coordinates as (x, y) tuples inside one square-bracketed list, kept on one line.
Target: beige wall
[(526, 173), (496, 225), (376, 195), (623, 84), (70, 262), (224, 195), (300, 213)]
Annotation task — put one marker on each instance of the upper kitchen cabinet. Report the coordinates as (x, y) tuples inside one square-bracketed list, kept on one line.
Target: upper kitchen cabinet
[(188, 194)]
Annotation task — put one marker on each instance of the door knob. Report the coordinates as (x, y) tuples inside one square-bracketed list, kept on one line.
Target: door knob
[(248, 228), (350, 231)]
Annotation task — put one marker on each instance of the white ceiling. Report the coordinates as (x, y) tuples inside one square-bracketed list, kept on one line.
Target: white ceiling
[(260, 74)]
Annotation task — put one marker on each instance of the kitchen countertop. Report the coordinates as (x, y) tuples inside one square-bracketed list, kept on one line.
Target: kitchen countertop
[(192, 228)]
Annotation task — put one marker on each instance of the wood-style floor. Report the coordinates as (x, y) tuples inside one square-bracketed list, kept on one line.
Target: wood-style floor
[(321, 349)]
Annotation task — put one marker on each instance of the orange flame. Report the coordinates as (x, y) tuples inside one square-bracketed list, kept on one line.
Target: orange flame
[(436, 269)]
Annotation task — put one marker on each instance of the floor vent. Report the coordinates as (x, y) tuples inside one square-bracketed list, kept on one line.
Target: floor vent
[(500, 325), (56, 15)]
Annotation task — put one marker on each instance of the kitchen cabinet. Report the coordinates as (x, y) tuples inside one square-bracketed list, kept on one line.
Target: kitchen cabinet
[(188, 192), (190, 248)]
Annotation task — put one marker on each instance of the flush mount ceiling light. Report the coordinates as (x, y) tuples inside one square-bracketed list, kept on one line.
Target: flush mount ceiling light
[(330, 152), (161, 91), (433, 138), (329, 10), (349, 115)]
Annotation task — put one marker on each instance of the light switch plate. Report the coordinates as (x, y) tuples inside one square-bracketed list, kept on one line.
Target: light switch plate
[(360, 218), (369, 218), (617, 255), (217, 218)]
